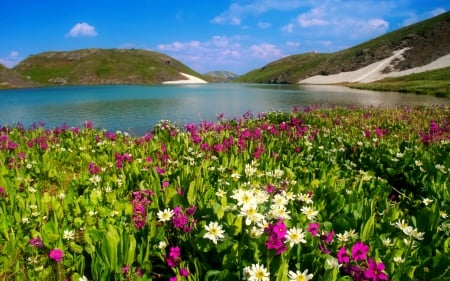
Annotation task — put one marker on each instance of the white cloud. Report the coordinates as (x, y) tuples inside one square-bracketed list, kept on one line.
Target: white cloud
[(265, 51), (316, 17), (376, 24), (179, 46), (288, 28), (437, 12), (11, 60), (221, 53), (82, 29), (292, 44), (335, 20), (237, 12)]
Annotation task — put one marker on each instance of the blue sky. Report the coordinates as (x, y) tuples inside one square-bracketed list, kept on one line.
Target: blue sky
[(237, 36)]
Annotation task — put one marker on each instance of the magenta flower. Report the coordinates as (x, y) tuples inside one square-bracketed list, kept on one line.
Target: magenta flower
[(173, 257), (375, 272), (280, 229), (313, 228), (2, 191), (125, 269), (36, 242), (56, 254), (276, 233), (359, 251), (342, 255), (184, 272)]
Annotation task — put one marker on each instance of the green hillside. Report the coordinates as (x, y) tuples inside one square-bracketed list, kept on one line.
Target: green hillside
[(435, 82), (102, 66), (11, 79), (426, 40)]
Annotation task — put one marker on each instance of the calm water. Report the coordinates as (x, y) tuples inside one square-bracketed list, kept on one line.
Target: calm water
[(137, 109)]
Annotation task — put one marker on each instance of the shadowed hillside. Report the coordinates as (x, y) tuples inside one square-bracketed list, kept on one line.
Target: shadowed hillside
[(426, 40), (11, 79), (102, 66)]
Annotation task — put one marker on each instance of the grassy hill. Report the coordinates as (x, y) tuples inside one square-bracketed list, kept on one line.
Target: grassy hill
[(102, 66), (435, 82), (427, 40), (11, 79)]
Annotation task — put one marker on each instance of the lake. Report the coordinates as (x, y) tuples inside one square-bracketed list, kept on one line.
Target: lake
[(136, 109)]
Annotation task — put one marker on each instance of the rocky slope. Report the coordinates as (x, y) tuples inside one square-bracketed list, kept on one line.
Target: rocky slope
[(425, 42), (11, 79)]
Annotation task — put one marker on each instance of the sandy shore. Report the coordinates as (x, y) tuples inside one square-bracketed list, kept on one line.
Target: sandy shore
[(373, 71), (190, 80)]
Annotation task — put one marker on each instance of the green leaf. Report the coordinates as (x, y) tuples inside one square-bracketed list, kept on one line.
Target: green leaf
[(192, 193), (282, 272), (368, 228)]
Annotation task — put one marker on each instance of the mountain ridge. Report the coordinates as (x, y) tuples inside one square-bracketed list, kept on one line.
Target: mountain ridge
[(425, 41)]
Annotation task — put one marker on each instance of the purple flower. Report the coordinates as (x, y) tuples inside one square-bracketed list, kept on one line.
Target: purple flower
[(56, 254), (36, 242), (359, 251), (313, 228)]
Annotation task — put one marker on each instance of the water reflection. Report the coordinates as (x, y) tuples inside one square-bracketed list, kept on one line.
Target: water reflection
[(138, 108)]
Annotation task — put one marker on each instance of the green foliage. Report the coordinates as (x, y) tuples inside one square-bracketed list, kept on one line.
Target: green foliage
[(433, 82), (225, 194)]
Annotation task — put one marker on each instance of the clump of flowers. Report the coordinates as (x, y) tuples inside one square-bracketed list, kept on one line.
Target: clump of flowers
[(141, 199), (184, 220), (358, 265), (276, 236)]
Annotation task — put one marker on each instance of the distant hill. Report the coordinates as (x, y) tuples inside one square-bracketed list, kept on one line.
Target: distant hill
[(427, 41), (102, 66), (221, 76), (11, 79)]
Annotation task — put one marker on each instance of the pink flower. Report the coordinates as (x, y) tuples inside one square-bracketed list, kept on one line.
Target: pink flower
[(184, 272), (280, 229), (56, 254), (36, 242), (125, 269), (313, 228), (375, 271), (359, 251), (342, 255), (173, 257)]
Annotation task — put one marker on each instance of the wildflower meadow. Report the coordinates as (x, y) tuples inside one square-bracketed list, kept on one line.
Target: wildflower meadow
[(339, 193)]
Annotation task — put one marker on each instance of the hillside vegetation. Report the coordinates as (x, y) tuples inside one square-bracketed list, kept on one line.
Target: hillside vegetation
[(102, 66), (426, 41), (436, 82), (11, 79)]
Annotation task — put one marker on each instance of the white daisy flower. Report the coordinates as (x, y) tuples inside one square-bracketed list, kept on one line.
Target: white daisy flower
[(165, 215), (214, 232), (299, 276)]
